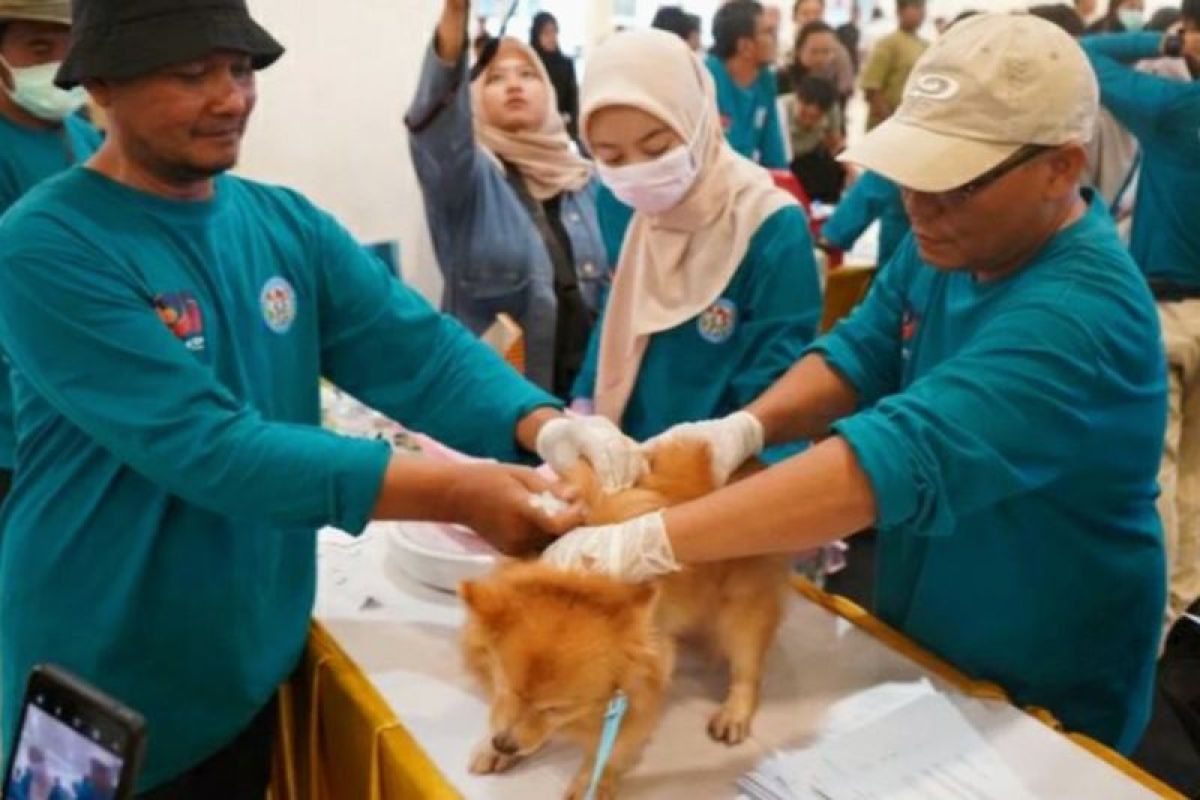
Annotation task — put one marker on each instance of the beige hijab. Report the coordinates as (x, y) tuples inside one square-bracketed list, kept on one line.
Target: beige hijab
[(676, 264), (545, 157)]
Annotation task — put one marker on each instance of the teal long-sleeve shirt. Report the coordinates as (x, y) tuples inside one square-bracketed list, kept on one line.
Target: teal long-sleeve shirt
[(1011, 432), (721, 360), (160, 536), (873, 197), (28, 157), (1164, 116), (750, 115)]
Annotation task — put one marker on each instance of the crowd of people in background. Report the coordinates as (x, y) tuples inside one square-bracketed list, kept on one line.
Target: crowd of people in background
[(792, 109)]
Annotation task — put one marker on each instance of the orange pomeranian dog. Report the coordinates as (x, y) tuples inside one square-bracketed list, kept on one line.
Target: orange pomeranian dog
[(551, 648)]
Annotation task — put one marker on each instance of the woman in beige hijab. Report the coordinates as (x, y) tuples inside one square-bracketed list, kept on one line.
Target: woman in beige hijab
[(509, 201), (716, 291)]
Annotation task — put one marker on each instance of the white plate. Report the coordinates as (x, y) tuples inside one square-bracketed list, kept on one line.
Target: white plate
[(438, 555)]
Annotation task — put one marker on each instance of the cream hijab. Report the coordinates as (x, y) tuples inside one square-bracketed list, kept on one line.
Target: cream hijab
[(545, 157), (676, 264)]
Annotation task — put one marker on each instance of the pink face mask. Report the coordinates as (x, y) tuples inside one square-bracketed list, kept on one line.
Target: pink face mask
[(655, 186)]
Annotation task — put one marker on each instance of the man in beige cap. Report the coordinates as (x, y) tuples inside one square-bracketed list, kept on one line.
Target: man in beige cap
[(40, 135), (995, 408)]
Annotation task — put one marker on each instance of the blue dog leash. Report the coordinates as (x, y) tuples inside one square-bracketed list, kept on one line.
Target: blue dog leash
[(613, 716)]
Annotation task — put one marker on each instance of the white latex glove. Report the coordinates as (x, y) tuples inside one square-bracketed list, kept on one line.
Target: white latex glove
[(617, 459), (732, 440), (636, 550)]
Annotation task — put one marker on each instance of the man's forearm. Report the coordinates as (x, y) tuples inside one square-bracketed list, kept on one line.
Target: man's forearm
[(804, 402), (417, 488), (817, 497)]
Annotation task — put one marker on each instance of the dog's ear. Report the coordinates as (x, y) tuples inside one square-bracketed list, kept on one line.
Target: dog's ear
[(486, 600)]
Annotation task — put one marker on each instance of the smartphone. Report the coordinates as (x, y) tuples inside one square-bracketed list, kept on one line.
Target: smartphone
[(73, 742)]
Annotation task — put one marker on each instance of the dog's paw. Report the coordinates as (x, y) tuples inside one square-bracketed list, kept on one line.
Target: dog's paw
[(729, 725), (486, 761), (606, 789)]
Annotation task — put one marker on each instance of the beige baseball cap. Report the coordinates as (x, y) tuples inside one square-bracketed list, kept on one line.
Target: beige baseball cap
[(54, 11), (991, 85)]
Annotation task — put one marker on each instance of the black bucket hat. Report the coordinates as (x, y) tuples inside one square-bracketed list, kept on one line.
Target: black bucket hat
[(121, 39)]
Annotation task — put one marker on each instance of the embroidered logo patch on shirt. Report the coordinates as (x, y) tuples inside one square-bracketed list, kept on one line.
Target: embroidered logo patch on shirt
[(180, 312), (909, 323), (278, 302), (718, 321)]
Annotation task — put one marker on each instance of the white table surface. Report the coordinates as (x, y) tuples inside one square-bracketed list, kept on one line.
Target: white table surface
[(405, 639)]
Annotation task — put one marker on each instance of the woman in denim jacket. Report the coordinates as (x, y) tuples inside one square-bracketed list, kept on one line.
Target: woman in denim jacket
[(509, 201)]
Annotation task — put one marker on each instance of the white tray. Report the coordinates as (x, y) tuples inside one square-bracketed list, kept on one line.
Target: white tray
[(438, 555)]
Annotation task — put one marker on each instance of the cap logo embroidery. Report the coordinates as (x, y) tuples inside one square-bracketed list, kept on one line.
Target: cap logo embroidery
[(934, 87)]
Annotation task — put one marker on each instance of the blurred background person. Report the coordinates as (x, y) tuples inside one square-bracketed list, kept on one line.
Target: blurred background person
[(818, 53), (742, 55), (41, 134), (1120, 17), (543, 38), (845, 57), (892, 59), (1164, 116), (679, 22), (816, 126)]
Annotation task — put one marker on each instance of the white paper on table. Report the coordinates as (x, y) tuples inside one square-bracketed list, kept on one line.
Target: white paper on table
[(924, 750)]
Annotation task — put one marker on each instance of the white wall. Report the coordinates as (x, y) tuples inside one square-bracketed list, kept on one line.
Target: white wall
[(329, 120)]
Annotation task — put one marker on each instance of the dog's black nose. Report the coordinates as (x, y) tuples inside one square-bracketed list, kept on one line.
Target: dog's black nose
[(504, 744)]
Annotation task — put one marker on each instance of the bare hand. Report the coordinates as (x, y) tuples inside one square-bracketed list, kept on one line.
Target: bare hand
[(452, 30), (496, 501)]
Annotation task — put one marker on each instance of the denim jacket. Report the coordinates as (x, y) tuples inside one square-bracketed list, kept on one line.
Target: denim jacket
[(490, 253)]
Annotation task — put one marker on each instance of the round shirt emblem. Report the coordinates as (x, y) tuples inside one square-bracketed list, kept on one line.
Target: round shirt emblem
[(718, 321), (278, 301)]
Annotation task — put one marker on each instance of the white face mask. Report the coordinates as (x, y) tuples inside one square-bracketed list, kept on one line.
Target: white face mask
[(34, 90), (1132, 18), (655, 186)]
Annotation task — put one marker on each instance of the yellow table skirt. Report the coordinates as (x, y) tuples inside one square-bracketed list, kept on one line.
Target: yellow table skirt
[(339, 740)]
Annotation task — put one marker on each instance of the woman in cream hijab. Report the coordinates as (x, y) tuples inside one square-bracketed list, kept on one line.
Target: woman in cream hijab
[(716, 291), (509, 201)]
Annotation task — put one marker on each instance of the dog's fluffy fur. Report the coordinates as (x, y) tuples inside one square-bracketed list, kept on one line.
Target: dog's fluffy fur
[(552, 647)]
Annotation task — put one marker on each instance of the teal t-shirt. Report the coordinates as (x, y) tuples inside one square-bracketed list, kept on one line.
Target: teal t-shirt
[(614, 218), (1012, 432), (1164, 116), (750, 115), (28, 157), (721, 360), (160, 535), (873, 197)]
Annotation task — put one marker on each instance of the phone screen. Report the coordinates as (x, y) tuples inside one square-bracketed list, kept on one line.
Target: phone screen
[(61, 755)]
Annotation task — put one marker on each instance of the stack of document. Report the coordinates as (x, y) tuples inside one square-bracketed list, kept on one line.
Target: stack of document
[(902, 742)]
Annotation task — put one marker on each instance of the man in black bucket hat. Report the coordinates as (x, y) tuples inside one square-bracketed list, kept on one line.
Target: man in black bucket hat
[(168, 325), (129, 39)]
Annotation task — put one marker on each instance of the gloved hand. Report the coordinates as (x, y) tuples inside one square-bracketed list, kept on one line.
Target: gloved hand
[(635, 550), (617, 459), (732, 440)]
